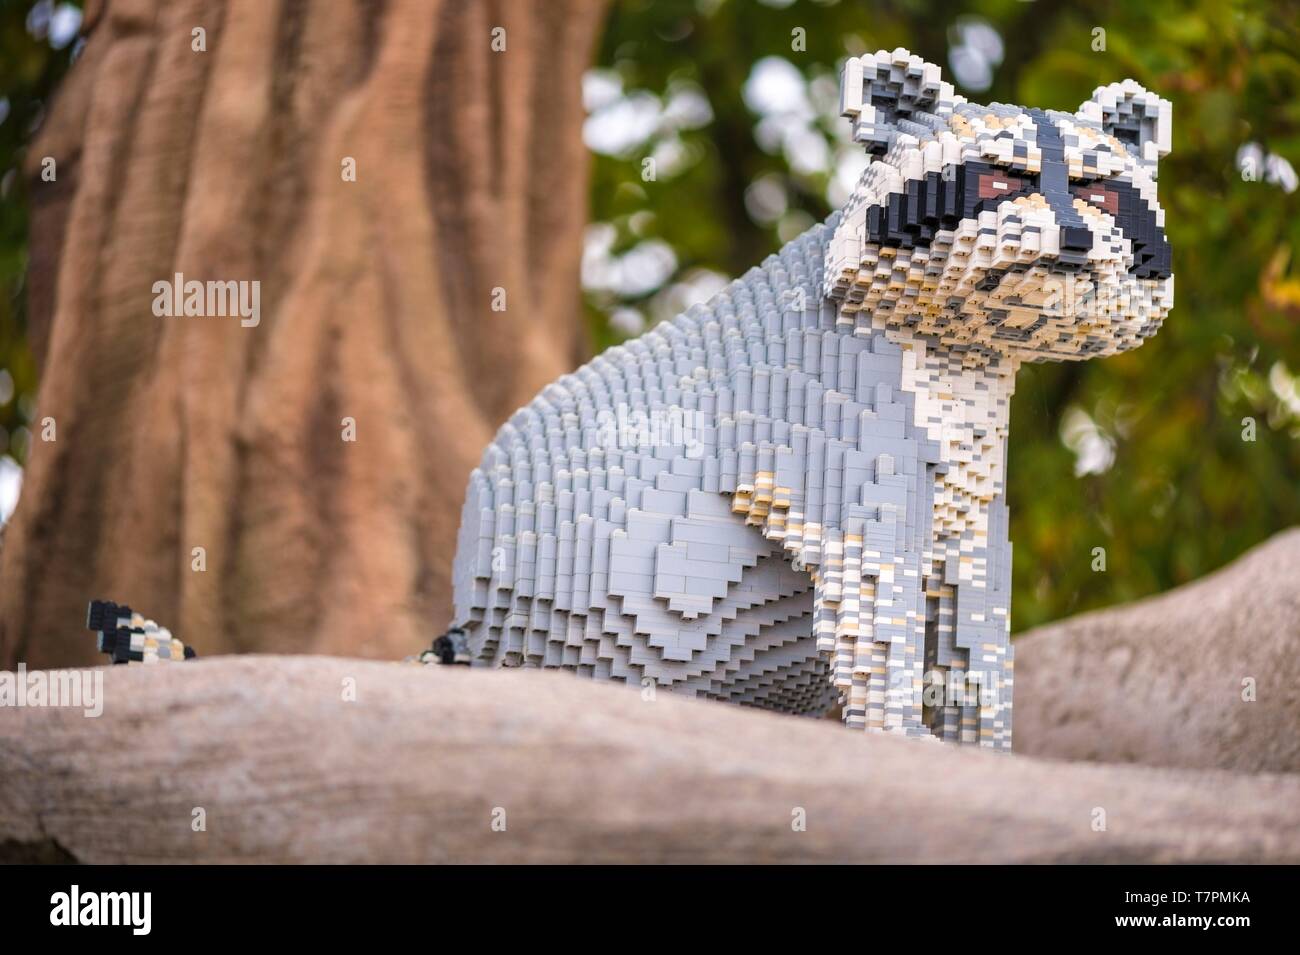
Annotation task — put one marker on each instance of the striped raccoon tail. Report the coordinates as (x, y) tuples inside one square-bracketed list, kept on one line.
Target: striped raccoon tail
[(127, 637), (449, 648)]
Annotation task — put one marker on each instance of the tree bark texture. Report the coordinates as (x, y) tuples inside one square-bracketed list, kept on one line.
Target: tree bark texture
[(376, 302)]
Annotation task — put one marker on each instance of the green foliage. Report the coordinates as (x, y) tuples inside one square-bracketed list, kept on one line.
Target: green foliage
[(30, 69), (1184, 492)]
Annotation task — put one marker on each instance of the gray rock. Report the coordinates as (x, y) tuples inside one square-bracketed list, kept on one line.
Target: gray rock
[(1161, 681), (414, 770)]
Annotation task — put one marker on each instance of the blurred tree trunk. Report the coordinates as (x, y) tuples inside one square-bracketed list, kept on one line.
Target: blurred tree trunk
[(173, 434)]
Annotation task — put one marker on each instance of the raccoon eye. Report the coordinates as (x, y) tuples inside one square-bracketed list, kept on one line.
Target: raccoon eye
[(1001, 185), (1098, 195)]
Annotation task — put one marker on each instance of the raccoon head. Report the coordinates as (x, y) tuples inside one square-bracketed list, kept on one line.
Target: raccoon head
[(1002, 230)]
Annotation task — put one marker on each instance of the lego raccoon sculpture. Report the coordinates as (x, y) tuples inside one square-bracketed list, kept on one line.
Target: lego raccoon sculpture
[(792, 496)]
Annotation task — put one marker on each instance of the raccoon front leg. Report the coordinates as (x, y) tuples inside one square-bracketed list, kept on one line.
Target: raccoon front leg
[(968, 663), (865, 608), (951, 705)]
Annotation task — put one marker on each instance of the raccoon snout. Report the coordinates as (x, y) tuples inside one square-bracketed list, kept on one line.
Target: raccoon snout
[(1076, 238)]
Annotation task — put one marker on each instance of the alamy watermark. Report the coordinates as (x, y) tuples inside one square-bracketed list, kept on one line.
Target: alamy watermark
[(75, 907), (77, 689), (949, 687), (630, 428), (176, 297)]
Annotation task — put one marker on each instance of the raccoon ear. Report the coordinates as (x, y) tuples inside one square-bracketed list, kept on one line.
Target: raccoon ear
[(878, 90), (1135, 116)]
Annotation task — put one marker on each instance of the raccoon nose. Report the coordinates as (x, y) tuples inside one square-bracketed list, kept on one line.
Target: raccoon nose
[(1076, 239)]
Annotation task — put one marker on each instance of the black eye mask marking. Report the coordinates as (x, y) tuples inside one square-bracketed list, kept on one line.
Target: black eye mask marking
[(941, 201), (1136, 220)]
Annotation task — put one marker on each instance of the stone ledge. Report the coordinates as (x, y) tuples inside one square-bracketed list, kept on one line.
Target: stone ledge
[(412, 771)]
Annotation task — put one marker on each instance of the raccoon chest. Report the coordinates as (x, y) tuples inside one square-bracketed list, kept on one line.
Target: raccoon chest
[(967, 411)]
